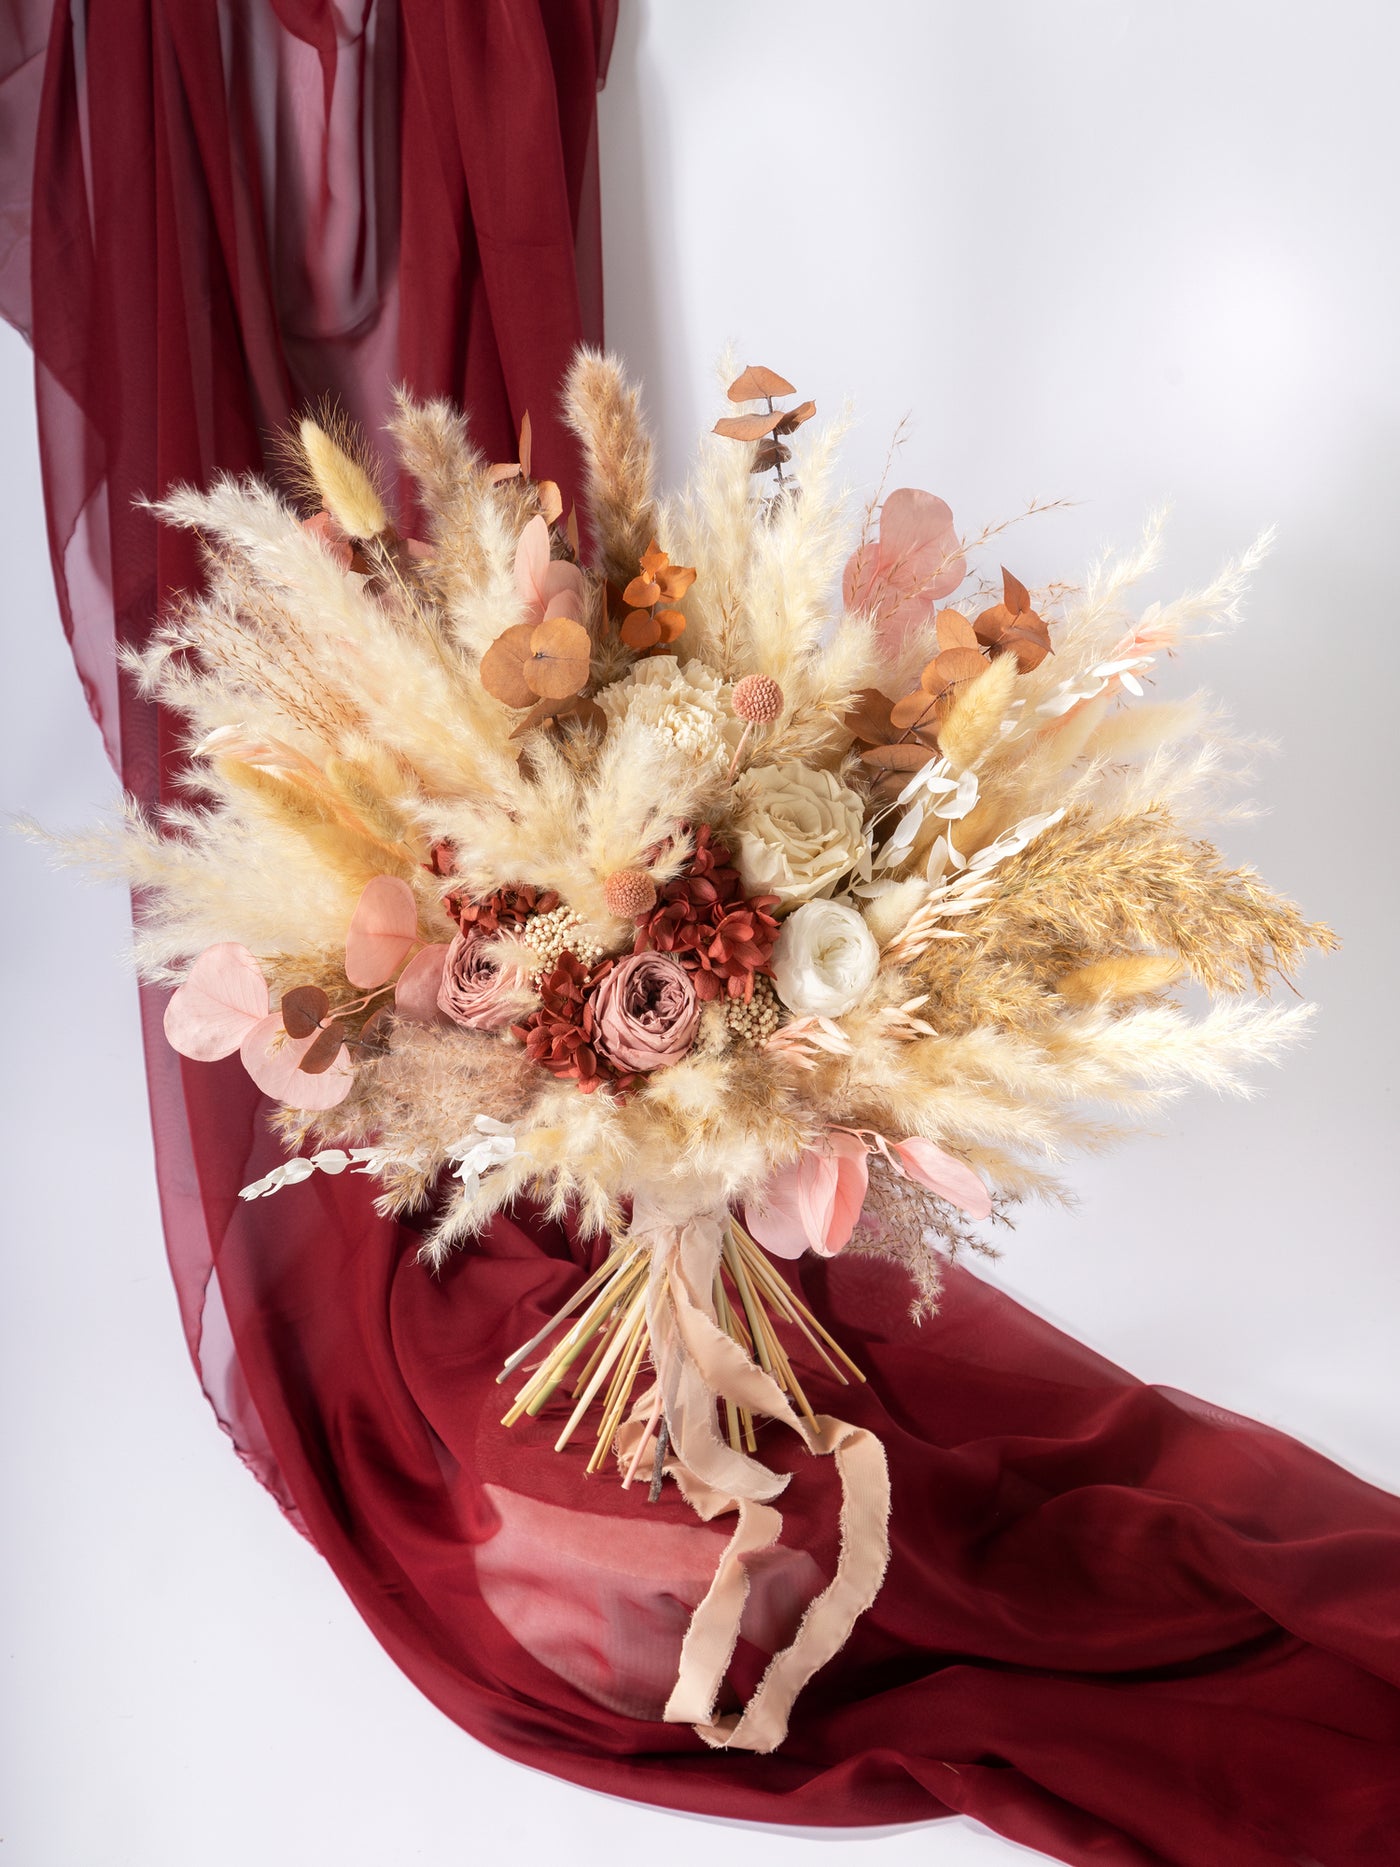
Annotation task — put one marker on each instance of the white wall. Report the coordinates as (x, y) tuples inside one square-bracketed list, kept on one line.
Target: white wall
[(1108, 252)]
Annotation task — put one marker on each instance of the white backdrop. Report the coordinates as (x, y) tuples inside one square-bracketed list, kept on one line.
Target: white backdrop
[(1100, 251)]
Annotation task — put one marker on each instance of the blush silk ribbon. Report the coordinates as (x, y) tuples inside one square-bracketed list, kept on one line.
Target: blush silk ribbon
[(697, 1365)]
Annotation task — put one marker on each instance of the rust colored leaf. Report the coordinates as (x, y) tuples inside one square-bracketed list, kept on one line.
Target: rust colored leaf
[(769, 455), (303, 1009), (670, 622), (955, 665), (757, 381), (916, 712), (746, 427), (551, 500), (572, 706), (907, 756), (794, 417), (640, 629), (503, 666), (1014, 593), (954, 630), (561, 651), (375, 1029), (869, 718), (675, 580), (653, 559), (324, 1051), (526, 447), (642, 592)]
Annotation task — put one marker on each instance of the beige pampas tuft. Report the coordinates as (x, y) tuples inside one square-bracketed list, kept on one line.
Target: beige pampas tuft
[(604, 411)]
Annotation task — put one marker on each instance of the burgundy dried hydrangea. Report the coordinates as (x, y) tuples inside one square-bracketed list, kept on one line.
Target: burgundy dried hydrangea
[(507, 908), (562, 1035), (703, 917)]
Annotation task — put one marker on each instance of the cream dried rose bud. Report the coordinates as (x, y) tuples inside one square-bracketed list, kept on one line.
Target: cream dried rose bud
[(798, 832), (825, 961)]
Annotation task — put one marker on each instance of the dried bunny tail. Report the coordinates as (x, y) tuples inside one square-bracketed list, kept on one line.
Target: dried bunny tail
[(974, 722), (339, 469), (1113, 981), (604, 411), (473, 534)]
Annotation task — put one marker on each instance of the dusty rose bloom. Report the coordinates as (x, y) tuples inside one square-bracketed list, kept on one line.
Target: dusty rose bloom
[(646, 1012), (477, 990)]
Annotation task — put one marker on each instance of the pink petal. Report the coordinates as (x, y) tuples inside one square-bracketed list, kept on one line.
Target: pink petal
[(562, 579), (951, 1179), (565, 602), (817, 1178), (271, 1059), (416, 994), (532, 563), (382, 929), (222, 998), (778, 1228), (852, 1182)]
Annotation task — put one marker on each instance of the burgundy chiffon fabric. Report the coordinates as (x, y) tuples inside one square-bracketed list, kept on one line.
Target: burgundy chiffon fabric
[(1119, 1626)]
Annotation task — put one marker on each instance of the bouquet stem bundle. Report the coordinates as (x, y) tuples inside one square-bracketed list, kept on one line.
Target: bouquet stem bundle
[(600, 1356)]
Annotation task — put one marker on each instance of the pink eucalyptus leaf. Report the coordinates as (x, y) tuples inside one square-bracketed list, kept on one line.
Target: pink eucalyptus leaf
[(941, 1173), (915, 562), (532, 563), (272, 1059), (416, 994), (382, 929), (222, 998), (778, 1227), (563, 579), (565, 603), (848, 1194), (817, 1178)]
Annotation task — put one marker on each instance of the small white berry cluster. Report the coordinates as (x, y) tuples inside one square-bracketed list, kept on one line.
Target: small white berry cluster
[(550, 936), (754, 1022)]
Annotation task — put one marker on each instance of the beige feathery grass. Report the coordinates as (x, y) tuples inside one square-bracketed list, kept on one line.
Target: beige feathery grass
[(604, 411)]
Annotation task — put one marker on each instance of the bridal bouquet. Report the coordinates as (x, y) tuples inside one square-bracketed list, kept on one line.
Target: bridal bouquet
[(741, 879)]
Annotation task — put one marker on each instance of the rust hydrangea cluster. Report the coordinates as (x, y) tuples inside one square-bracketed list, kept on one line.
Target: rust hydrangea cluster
[(724, 938)]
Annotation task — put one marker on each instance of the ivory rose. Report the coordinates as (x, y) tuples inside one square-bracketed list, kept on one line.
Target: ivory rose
[(645, 1012), (476, 989), (825, 960), (799, 831)]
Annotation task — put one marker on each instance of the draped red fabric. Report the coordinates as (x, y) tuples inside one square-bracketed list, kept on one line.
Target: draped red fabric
[(1119, 1626)]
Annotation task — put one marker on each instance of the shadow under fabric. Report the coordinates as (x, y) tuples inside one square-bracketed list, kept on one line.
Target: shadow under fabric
[(1118, 1625)]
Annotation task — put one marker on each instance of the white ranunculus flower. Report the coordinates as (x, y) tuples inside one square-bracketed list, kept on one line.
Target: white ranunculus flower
[(825, 960), (799, 831)]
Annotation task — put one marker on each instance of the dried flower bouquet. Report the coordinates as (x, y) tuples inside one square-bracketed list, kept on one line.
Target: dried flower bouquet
[(724, 890)]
